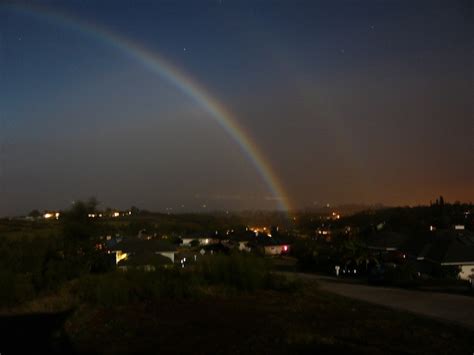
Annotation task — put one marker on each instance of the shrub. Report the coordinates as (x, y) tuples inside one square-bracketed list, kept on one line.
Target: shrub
[(239, 272), (404, 275), (279, 282), (15, 288), (243, 272), (118, 288), (194, 243), (107, 290)]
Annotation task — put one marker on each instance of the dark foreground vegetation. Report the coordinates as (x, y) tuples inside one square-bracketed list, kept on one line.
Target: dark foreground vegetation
[(263, 322), (224, 304), (116, 313), (61, 293)]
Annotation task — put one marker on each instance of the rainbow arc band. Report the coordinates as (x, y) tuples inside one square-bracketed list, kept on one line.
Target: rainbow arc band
[(181, 80)]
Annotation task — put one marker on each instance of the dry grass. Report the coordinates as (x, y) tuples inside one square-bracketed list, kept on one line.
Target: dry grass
[(308, 321)]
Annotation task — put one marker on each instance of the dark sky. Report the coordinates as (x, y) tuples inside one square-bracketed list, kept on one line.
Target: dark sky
[(349, 101)]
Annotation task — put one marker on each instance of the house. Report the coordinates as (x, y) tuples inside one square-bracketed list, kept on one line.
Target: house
[(387, 241), (202, 238), (450, 248), (134, 246), (276, 249), (324, 233), (242, 239), (270, 246), (388, 247), (144, 260), (215, 248), (111, 242)]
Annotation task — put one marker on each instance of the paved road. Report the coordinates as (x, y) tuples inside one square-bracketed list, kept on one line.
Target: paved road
[(448, 307)]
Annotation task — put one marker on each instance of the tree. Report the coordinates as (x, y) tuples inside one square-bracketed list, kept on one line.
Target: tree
[(78, 231), (34, 214), (76, 253), (76, 224), (194, 243), (274, 231), (441, 201), (175, 240), (92, 204)]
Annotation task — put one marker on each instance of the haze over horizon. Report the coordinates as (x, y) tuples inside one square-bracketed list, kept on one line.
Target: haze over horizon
[(348, 102)]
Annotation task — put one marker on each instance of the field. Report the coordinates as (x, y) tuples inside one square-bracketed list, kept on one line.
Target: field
[(306, 321), (17, 229)]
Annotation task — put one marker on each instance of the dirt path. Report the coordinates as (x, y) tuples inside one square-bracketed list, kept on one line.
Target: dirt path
[(443, 306)]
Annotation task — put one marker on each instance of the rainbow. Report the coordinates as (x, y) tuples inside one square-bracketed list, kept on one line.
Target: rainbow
[(158, 65)]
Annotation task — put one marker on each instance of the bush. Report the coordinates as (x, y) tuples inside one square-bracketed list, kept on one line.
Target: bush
[(404, 275), (15, 288), (282, 283), (111, 289), (194, 243), (313, 256), (237, 271), (119, 288), (243, 272)]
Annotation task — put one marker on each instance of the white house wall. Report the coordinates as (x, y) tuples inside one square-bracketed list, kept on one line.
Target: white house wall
[(467, 272), (273, 250), (202, 241), (167, 254)]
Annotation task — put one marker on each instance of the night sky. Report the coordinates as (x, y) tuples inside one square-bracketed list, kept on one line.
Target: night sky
[(348, 101)]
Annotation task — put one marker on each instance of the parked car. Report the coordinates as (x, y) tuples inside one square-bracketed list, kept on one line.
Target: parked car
[(378, 274)]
